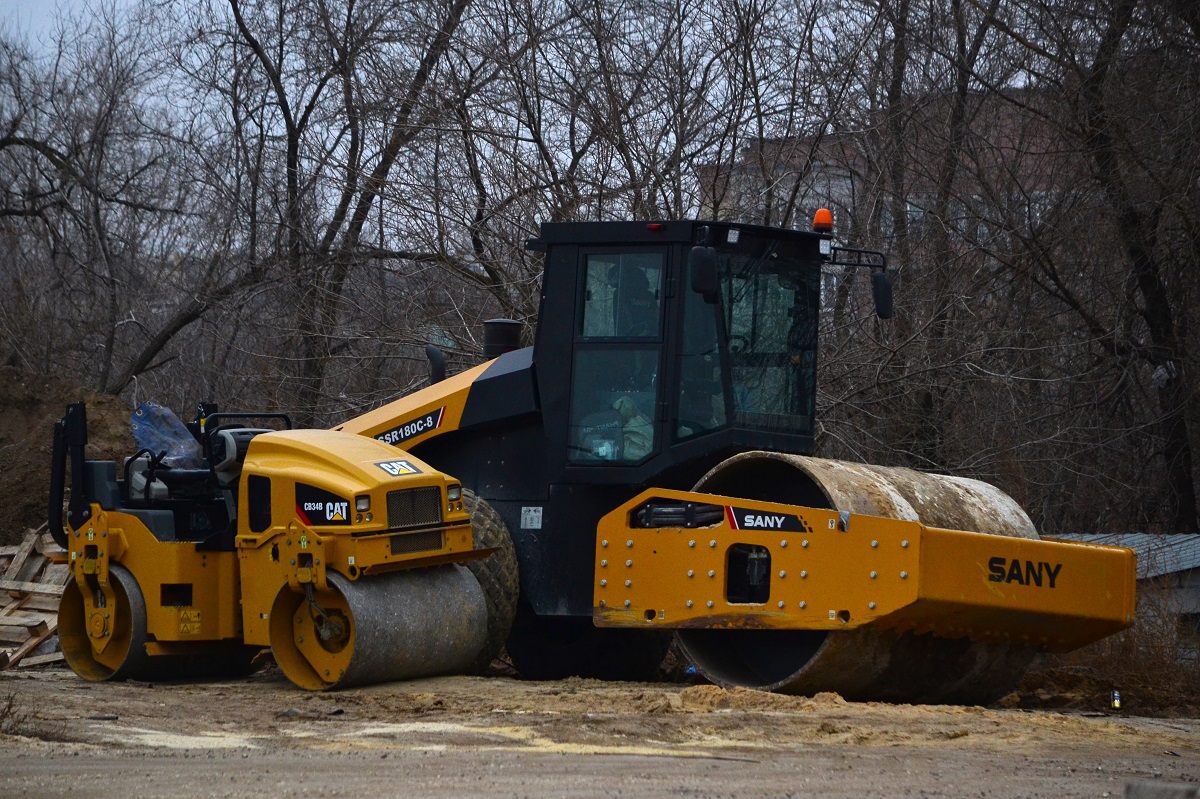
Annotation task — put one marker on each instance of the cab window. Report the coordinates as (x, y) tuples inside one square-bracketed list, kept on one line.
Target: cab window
[(615, 377), (622, 295)]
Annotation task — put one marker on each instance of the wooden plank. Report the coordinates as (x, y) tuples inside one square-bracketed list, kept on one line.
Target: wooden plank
[(30, 588), (45, 603), (14, 568), (41, 660), (56, 574), (13, 634), (9, 551), (32, 578), (32, 644), (31, 572), (24, 618), (48, 548)]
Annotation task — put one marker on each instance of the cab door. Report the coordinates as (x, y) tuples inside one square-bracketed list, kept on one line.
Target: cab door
[(617, 360)]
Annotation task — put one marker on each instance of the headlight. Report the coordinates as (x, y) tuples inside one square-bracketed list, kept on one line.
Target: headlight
[(453, 493), (362, 504)]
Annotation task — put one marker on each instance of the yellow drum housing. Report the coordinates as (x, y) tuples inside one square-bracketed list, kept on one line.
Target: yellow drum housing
[(858, 591)]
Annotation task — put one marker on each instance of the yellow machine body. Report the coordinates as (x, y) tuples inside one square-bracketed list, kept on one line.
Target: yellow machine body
[(826, 570), (192, 597), (302, 545), (420, 416), (322, 518)]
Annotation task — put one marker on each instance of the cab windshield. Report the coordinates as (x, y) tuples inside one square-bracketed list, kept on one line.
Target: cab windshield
[(770, 302), (762, 335)]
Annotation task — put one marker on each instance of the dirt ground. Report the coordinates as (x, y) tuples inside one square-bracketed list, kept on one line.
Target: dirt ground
[(497, 736)]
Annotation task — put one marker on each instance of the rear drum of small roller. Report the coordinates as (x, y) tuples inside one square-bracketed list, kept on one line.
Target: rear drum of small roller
[(397, 626), (864, 663), (124, 655)]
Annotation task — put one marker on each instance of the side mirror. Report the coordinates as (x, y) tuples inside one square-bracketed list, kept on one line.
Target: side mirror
[(702, 267), (881, 290)]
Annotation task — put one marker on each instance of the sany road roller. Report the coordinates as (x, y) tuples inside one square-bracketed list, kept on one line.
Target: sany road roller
[(650, 459), (342, 555)]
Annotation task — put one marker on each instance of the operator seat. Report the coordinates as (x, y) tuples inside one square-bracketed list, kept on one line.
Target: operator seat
[(150, 479), (226, 454)]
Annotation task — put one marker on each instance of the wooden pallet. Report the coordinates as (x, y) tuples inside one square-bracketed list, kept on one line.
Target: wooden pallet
[(32, 576)]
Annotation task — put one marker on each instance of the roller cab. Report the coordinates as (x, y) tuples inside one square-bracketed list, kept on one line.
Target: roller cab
[(683, 355)]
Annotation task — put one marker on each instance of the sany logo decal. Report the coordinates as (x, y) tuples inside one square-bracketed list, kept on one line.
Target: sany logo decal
[(743, 519), (398, 468), (413, 428), (1003, 570)]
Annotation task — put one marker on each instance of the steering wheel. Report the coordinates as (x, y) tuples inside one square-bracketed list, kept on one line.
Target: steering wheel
[(693, 427)]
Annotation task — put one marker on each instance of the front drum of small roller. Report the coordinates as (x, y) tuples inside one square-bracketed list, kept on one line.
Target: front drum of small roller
[(401, 625), (865, 663)]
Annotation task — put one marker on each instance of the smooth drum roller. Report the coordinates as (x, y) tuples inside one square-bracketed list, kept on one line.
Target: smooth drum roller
[(106, 638), (866, 663), (108, 641), (395, 626)]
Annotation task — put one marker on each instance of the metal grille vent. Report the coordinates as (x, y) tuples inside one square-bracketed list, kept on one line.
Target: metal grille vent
[(414, 506), (407, 543)]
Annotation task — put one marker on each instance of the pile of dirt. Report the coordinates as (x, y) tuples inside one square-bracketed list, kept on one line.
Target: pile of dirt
[(1079, 683), (29, 406)]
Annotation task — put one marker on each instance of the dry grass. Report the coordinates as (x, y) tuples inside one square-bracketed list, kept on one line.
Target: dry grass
[(1155, 665), (14, 717), (19, 717)]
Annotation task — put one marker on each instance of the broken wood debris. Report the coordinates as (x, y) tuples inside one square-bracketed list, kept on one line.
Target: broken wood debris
[(32, 576)]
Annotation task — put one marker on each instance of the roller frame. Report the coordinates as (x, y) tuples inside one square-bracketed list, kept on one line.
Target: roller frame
[(839, 571), (112, 537)]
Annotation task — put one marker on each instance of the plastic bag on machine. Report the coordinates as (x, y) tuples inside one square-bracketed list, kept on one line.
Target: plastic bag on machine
[(159, 430)]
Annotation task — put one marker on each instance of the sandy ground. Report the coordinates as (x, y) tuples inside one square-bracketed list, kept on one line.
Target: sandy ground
[(482, 737)]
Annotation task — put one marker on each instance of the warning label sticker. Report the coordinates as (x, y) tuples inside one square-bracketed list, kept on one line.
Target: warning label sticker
[(531, 517), (189, 621)]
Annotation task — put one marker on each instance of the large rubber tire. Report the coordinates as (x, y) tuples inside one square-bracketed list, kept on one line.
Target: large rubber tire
[(556, 647), (497, 575)]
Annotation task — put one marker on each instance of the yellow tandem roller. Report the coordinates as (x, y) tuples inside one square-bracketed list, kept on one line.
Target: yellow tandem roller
[(800, 575), (341, 554)]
